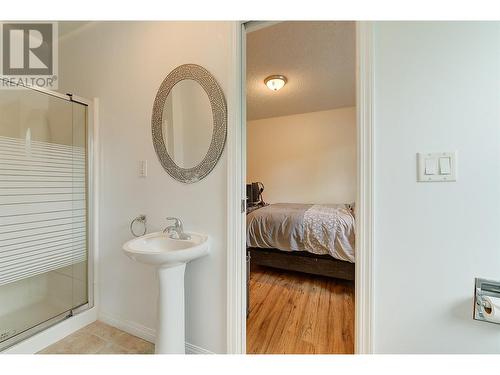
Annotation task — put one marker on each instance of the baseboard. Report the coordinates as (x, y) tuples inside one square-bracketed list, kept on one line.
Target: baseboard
[(53, 334), (193, 349), (145, 333)]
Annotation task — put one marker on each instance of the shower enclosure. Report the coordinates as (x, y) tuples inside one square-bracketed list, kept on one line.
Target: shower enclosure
[(45, 236)]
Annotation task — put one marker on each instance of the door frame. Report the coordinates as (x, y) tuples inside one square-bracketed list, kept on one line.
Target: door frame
[(236, 192)]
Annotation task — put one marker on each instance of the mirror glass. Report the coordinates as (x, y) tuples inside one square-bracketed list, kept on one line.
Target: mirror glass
[(187, 123)]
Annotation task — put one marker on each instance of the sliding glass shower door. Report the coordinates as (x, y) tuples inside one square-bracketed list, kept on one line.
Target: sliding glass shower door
[(43, 211)]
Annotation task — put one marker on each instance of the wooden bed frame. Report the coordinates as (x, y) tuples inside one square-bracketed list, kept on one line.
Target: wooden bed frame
[(302, 261)]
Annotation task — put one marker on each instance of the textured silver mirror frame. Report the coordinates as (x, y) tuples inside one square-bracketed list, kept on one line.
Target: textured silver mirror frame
[(219, 113)]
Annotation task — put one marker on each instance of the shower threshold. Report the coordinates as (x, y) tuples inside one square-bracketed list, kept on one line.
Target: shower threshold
[(12, 332)]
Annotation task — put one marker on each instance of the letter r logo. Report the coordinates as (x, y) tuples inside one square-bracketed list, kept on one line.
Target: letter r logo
[(27, 49)]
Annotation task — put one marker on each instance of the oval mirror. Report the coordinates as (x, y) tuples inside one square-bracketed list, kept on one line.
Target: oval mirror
[(189, 123)]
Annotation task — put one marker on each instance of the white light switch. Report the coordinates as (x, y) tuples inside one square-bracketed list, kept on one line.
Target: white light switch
[(438, 166), (430, 166), (444, 165)]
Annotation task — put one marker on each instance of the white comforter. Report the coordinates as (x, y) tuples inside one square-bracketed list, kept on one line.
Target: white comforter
[(318, 229)]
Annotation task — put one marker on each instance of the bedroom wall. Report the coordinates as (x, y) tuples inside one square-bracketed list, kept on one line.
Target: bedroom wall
[(305, 158), (123, 64), (437, 88)]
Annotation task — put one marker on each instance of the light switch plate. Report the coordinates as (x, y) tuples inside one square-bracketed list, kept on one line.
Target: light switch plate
[(433, 158)]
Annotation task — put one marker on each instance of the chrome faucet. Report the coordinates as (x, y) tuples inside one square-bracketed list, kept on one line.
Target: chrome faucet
[(176, 231)]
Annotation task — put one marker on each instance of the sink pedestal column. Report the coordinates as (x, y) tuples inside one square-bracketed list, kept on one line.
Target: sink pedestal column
[(170, 334)]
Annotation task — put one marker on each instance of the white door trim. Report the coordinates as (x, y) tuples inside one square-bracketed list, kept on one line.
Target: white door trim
[(236, 171), (363, 321)]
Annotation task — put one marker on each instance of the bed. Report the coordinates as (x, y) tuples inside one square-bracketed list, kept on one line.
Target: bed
[(310, 238)]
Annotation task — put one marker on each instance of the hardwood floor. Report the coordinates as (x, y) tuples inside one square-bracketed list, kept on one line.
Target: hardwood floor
[(295, 313)]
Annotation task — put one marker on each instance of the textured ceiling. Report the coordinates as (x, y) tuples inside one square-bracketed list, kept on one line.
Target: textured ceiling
[(318, 58)]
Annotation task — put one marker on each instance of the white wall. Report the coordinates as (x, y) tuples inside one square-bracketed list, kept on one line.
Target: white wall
[(305, 158), (124, 64), (437, 88)]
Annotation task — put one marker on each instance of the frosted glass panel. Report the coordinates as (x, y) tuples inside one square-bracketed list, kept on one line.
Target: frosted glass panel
[(43, 209)]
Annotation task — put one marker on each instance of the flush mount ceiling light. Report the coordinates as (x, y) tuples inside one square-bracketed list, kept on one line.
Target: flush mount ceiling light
[(275, 82)]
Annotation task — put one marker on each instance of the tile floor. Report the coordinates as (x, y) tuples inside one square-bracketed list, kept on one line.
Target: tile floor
[(100, 338)]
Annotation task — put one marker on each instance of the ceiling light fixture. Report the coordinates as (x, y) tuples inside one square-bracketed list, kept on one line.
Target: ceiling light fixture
[(275, 82)]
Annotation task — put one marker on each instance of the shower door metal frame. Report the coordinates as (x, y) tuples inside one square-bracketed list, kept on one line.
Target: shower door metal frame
[(91, 222)]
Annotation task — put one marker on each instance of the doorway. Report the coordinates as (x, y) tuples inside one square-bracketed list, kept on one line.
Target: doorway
[(237, 178), (301, 187)]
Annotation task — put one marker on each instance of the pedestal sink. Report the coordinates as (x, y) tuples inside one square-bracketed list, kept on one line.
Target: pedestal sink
[(169, 256)]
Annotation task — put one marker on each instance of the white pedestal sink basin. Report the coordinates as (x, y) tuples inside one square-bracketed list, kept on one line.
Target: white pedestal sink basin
[(170, 257)]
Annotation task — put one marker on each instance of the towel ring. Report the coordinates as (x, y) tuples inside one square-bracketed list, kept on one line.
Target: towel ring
[(140, 219)]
